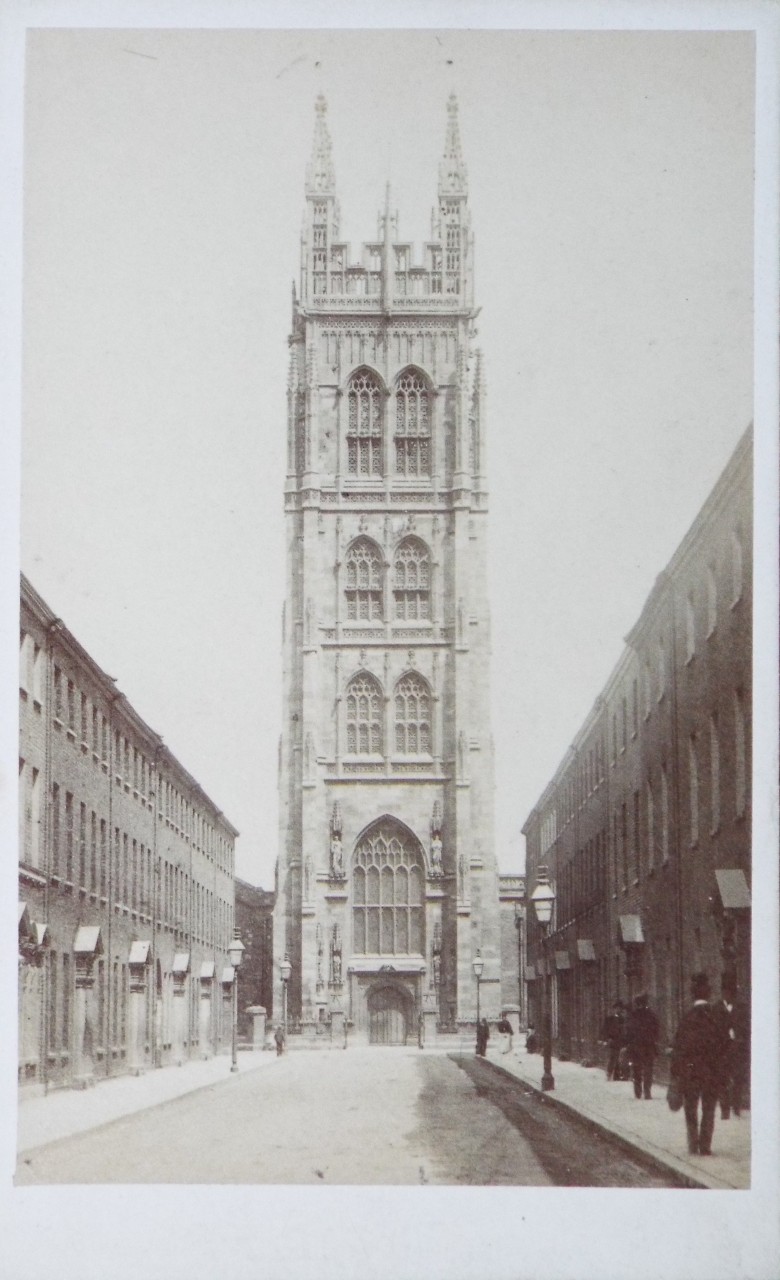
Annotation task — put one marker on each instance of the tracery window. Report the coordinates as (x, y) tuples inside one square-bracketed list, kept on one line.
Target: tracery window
[(412, 716), (387, 893), (364, 425), (363, 567), (412, 426), (364, 716), (412, 581)]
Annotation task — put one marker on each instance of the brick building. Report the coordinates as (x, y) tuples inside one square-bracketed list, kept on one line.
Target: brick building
[(387, 881), (645, 827), (125, 877)]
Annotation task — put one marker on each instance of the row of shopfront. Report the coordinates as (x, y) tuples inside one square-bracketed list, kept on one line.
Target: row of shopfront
[(91, 1007)]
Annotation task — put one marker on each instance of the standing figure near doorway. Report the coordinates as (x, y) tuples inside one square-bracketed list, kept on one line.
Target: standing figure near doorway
[(642, 1041), (504, 1029), (613, 1031)]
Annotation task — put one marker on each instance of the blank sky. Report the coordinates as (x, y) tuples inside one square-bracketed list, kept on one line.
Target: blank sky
[(611, 195)]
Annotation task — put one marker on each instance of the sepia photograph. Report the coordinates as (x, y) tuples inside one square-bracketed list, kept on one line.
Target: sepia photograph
[(397, 725)]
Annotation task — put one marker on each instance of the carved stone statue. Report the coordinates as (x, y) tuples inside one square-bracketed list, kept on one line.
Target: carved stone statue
[(335, 956), (436, 866), (336, 857)]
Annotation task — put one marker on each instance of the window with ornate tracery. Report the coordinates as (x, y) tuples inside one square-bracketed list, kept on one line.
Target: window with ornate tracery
[(364, 426), (412, 427), (363, 570), (412, 716), (387, 893), (364, 716), (412, 581)]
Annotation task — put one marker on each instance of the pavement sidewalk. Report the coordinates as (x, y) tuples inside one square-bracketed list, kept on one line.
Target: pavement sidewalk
[(648, 1126), (65, 1112)]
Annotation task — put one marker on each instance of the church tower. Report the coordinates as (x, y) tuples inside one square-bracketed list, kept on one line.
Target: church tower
[(387, 887)]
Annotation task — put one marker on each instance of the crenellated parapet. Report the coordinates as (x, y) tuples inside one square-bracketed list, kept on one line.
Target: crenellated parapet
[(388, 273)]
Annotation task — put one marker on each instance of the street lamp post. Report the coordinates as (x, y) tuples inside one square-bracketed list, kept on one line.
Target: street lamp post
[(478, 965), (519, 925), (236, 954), (285, 969), (543, 898)]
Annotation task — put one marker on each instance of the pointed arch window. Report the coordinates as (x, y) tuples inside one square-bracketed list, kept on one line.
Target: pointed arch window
[(412, 581), (363, 566), (412, 716), (387, 893), (412, 426), (364, 425), (364, 716)]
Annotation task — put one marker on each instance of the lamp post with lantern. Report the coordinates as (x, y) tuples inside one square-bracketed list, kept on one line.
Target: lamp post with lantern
[(478, 965), (285, 969), (543, 898), (236, 955)]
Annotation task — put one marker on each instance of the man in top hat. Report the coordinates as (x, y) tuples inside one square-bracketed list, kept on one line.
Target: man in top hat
[(699, 1061)]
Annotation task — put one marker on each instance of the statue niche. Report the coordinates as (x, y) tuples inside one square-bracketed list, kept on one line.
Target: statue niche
[(336, 847)]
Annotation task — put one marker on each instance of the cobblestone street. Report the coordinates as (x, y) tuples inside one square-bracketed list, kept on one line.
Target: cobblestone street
[(368, 1116)]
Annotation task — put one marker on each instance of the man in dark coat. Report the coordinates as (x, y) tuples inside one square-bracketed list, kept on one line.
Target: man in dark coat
[(642, 1041), (734, 1019), (699, 1060), (614, 1032)]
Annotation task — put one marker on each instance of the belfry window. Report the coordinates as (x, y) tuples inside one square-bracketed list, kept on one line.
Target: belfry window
[(364, 429), (387, 888), (364, 716), (412, 427), (412, 716), (363, 567), (412, 581)]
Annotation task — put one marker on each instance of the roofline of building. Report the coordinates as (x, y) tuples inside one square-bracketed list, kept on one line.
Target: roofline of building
[(256, 888), (724, 486), (65, 637)]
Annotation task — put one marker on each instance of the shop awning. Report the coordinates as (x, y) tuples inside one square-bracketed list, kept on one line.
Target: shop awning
[(139, 952), (207, 969), (631, 929), (585, 949), (22, 910), (562, 960), (530, 975), (228, 974), (88, 941), (733, 889), (41, 933), (181, 962)]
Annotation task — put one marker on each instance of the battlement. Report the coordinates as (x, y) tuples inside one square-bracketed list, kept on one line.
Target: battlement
[(387, 271)]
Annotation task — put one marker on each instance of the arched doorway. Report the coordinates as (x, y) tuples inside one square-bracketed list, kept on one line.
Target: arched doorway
[(389, 1015)]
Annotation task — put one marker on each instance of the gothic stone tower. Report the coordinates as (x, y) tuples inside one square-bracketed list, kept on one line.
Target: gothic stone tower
[(386, 879)]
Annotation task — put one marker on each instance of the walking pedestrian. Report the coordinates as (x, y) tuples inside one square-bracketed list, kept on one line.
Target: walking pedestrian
[(483, 1035), (734, 1019), (504, 1029), (642, 1043), (699, 1059), (279, 1041), (613, 1032)]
